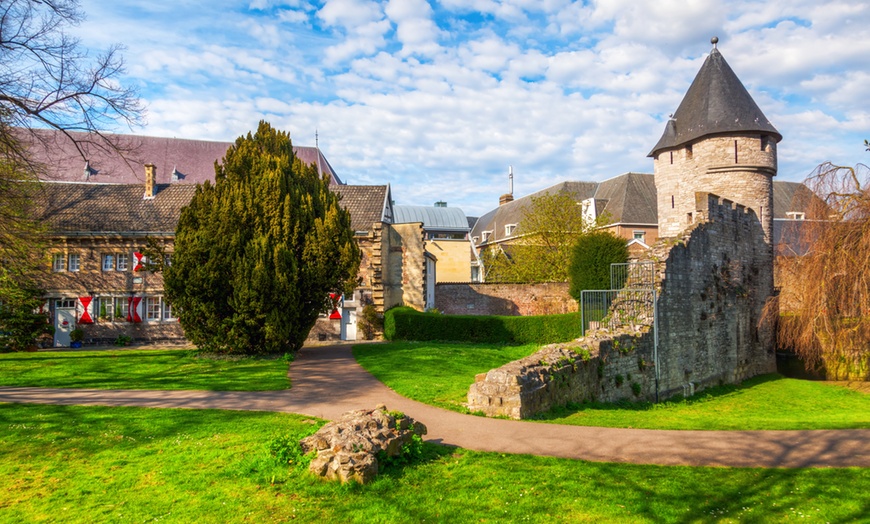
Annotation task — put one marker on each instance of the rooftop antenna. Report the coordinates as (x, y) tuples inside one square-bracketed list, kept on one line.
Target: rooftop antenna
[(317, 147), (511, 178)]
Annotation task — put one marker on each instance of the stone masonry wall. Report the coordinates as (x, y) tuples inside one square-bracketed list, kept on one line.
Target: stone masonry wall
[(504, 299), (599, 367), (714, 282), (712, 165)]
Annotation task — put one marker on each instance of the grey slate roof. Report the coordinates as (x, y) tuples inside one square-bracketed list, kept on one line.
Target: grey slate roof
[(433, 218), (629, 198), (716, 103), (192, 160)]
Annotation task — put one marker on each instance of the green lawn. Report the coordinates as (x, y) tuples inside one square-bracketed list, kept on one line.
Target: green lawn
[(440, 374), (432, 372), (92, 464), (146, 369)]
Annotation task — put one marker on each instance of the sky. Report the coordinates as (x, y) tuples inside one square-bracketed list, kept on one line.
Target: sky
[(439, 98)]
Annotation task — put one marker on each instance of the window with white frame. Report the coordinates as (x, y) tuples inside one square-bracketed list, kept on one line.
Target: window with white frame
[(509, 229), (58, 262), (73, 262), (122, 308), (106, 308), (486, 235), (167, 311), (639, 235), (108, 262), (122, 261), (65, 303), (153, 308), (796, 215)]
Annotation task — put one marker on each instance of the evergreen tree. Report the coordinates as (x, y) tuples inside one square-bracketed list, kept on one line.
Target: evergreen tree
[(258, 252), (590, 262)]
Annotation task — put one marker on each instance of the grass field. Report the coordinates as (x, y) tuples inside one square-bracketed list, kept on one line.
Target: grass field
[(141, 369), (92, 464), (440, 374)]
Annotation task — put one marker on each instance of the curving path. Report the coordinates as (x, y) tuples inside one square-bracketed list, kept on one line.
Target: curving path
[(327, 382)]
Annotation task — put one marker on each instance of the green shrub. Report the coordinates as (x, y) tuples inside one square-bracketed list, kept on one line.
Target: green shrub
[(405, 323), (591, 259)]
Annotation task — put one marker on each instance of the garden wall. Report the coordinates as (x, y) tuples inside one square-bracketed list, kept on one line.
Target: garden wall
[(550, 298)]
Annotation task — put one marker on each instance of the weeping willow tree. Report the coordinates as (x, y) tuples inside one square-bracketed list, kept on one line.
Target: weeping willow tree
[(826, 292)]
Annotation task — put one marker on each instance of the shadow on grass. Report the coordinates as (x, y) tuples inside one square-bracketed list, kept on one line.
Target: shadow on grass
[(626, 405)]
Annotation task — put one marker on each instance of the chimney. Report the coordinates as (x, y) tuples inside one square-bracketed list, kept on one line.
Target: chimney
[(505, 198), (150, 181)]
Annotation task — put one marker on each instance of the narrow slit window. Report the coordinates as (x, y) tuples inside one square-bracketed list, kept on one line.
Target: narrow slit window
[(672, 202), (672, 157), (735, 151)]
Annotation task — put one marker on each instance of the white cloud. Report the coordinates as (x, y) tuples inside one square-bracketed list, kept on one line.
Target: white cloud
[(415, 28)]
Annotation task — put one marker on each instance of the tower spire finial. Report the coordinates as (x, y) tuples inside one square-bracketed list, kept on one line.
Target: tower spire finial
[(714, 41)]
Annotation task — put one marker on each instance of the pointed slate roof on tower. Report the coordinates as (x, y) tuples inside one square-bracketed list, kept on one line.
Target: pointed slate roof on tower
[(716, 103)]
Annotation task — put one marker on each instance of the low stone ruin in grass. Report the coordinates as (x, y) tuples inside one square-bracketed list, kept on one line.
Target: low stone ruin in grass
[(603, 366), (347, 448)]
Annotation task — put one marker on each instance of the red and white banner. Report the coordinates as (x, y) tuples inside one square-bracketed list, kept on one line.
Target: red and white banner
[(335, 298), (84, 310), (134, 309), (138, 264)]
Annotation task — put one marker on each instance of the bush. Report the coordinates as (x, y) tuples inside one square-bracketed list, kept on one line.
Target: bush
[(591, 259), (370, 322), (405, 323)]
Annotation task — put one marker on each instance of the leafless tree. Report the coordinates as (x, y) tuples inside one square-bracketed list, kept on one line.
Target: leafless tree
[(48, 80), (826, 292)]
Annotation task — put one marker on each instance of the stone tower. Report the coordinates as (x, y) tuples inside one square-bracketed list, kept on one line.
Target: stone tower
[(719, 142)]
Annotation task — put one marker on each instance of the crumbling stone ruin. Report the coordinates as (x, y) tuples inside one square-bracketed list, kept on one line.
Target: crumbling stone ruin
[(347, 448), (714, 166)]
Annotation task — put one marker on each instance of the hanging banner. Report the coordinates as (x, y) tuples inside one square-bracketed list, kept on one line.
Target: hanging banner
[(83, 308), (138, 265), (335, 315), (133, 311)]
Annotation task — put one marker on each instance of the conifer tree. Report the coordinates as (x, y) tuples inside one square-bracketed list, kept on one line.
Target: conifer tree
[(258, 252)]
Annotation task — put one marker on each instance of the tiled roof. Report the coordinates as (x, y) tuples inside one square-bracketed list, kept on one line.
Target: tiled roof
[(631, 198), (111, 208), (716, 102), (70, 208), (797, 197), (191, 161), (367, 204)]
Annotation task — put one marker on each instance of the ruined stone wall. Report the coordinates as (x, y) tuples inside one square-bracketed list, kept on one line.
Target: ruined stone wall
[(504, 299), (714, 282), (604, 367), (739, 167)]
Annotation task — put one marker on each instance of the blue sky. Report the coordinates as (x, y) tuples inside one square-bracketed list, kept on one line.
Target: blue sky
[(438, 98)]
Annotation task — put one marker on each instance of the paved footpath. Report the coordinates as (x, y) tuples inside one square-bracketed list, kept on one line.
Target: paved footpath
[(327, 382)]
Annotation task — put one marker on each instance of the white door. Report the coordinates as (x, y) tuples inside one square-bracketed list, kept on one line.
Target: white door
[(64, 322), (348, 323)]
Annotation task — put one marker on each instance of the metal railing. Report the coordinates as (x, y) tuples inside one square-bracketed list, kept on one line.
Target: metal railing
[(631, 302)]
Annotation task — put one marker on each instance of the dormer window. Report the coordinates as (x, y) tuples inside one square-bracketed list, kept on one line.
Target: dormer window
[(486, 235), (509, 229), (796, 215)]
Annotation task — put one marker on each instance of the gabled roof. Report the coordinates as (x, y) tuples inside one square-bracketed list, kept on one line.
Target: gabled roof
[(86, 208), (716, 103), (367, 205), (433, 218), (797, 197), (111, 208), (512, 212), (631, 198), (191, 161)]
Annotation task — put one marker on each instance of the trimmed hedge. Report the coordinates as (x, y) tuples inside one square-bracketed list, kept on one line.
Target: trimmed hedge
[(404, 323)]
